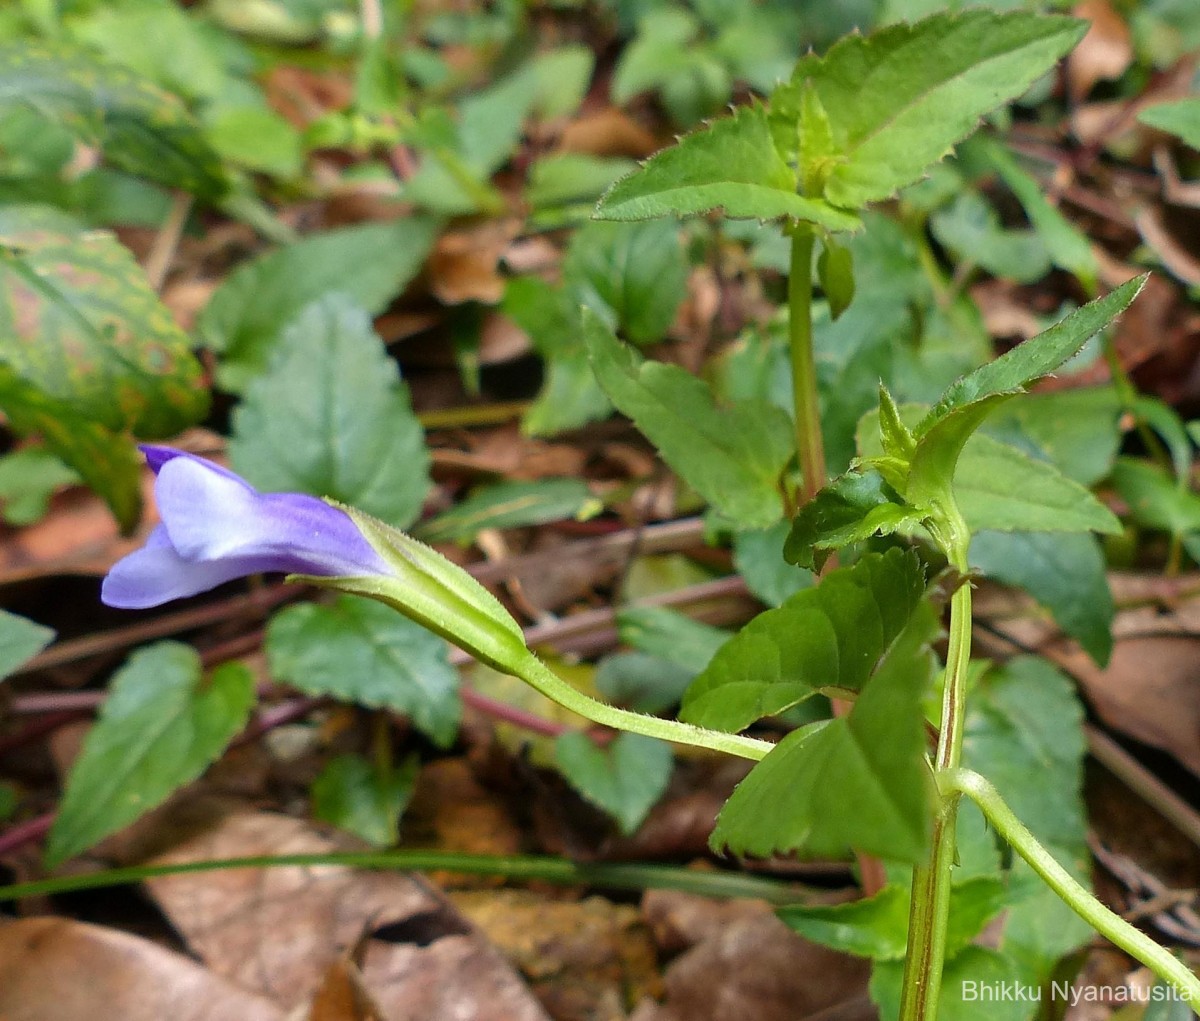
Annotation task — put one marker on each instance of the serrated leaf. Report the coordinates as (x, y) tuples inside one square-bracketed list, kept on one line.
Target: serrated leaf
[(1065, 573), (331, 417), (872, 759), (361, 651), (1016, 369), (245, 316), (28, 478), (512, 505), (850, 508), (731, 164), (732, 456), (877, 927), (901, 98), (162, 723), (90, 334), (20, 640), (634, 275), (1180, 118), (139, 127), (352, 795), (829, 637), (625, 778)]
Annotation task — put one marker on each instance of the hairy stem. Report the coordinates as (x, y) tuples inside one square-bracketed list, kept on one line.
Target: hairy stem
[(1133, 941), (929, 909), (540, 677), (810, 445)]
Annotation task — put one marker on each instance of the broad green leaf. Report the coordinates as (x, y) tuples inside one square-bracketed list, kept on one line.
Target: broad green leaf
[(826, 638), (732, 456), (257, 138), (163, 722), (852, 507), (352, 795), (20, 640), (877, 927), (758, 557), (139, 127), (28, 478), (1023, 731), (331, 417), (872, 759), (633, 275), (625, 777), (730, 165), (562, 76), (569, 177), (1000, 488), (512, 505), (641, 681), (90, 334), (244, 318), (362, 651), (976, 983), (107, 461), (1180, 118), (1155, 499), (670, 635), (1065, 573), (970, 229), (901, 98), (1036, 357), (1165, 1004)]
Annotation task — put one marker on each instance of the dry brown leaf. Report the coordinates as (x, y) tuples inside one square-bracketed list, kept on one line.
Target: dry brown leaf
[(464, 265), (277, 931), (1104, 53), (54, 969), (608, 133)]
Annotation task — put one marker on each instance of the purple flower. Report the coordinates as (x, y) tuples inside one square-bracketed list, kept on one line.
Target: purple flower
[(217, 527)]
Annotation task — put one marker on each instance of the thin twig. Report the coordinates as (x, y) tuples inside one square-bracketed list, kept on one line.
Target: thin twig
[(162, 252)]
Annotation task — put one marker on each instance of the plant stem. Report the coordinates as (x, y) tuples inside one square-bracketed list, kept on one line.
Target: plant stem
[(540, 677), (1133, 941), (929, 909), (810, 445)]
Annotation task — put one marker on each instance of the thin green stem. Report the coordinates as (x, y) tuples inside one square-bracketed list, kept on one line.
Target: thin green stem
[(810, 444), (929, 910), (617, 875), (1111, 925), (540, 677)]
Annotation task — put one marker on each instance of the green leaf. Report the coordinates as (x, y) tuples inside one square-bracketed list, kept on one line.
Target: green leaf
[(28, 478), (872, 759), (371, 264), (513, 505), (331, 417), (562, 76), (827, 638), (835, 270), (568, 177), (20, 640), (901, 98), (625, 778), (1155, 499), (973, 987), (877, 927), (1180, 118), (91, 335), (633, 275), (1065, 573), (353, 796), (758, 557), (163, 722), (641, 681), (731, 456), (257, 138), (670, 635), (364, 652), (1035, 358), (851, 508), (730, 165), (140, 128), (1000, 488), (970, 228)]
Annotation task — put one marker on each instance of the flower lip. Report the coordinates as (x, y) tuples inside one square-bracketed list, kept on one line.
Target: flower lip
[(217, 527)]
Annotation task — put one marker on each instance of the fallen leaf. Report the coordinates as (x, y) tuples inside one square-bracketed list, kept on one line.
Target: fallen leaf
[(464, 265), (1104, 53), (608, 133), (54, 969)]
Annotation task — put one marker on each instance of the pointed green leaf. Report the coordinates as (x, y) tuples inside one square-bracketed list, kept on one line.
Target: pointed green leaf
[(731, 164), (872, 760), (513, 505), (1155, 499), (901, 98), (20, 640), (331, 417), (625, 778), (732, 456), (162, 723), (29, 476), (852, 507), (1180, 118), (361, 651), (829, 637), (244, 318)]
